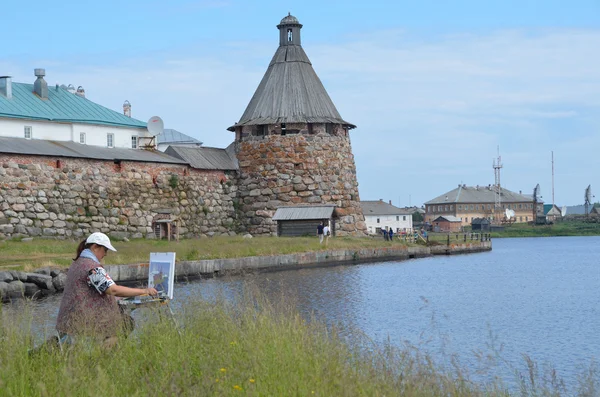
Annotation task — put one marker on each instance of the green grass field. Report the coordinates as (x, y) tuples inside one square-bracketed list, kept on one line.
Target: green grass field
[(59, 253), (557, 229), (254, 348)]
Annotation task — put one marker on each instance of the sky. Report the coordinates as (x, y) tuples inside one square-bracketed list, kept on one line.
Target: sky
[(436, 88)]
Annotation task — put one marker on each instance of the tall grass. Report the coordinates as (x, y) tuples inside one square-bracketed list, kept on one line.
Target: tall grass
[(252, 347)]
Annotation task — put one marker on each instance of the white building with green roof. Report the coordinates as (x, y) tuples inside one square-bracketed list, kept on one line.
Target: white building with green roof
[(57, 113)]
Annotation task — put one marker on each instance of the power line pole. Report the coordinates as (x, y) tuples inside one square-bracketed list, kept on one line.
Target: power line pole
[(497, 165)]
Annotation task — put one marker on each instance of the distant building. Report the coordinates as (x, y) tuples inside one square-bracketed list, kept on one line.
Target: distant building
[(552, 212), (170, 137), (381, 215), (470, 202), (447, 223), (60, 113)]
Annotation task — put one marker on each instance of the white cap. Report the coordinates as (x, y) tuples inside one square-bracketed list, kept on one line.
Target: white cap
[(100, 239)]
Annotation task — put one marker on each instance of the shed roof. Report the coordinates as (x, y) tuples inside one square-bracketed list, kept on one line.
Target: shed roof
[(478, 194), (204, 158), (379, 207), (448, 218), (290, 92), (303, 212), (61, 106), (171, 136), (39, 147), (480, 221)]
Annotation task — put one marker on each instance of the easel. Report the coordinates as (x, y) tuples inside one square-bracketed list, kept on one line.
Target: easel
[(137, 302)]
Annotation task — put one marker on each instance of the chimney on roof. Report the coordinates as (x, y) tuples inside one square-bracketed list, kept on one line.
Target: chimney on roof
[(381, 200), (520, 192), (6, 86), (40, 87), (390, 202), (127, 108), (80, 92)]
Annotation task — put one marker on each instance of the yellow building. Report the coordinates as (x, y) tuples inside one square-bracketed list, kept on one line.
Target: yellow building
[(470, 202)]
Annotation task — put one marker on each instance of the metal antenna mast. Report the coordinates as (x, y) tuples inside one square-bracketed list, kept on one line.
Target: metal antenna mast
[(553, 177), (497, 164)]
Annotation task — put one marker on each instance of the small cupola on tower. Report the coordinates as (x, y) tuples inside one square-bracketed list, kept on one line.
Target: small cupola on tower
[(289, 30)]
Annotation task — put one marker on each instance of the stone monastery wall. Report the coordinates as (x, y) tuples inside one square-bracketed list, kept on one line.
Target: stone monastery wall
[(294, 169), (43, 196)]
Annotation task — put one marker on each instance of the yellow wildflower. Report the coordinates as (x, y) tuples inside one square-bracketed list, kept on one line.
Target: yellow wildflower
[(223, 369), (216, 380), (237, 387), (252, 380)]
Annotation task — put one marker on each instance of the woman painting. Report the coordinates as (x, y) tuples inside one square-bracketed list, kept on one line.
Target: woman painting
[(88, 306)]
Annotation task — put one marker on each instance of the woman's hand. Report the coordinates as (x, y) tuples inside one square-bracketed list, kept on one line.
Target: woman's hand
[(151, 291)]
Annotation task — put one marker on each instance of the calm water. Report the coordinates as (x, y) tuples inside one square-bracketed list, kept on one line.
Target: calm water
[(537, 297)]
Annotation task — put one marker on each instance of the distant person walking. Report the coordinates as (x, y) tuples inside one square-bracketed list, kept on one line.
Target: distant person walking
[(391, 234), (385, 234), (320, 232), (326, 233)]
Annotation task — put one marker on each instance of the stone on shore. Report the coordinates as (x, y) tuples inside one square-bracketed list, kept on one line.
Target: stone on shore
[(6, 277), (59, 281), (41, 280)]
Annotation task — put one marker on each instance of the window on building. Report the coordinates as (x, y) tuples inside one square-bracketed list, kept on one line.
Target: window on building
[(134, 142), (290, 35), (82, 138), (445, 208), (404, 217), (477, 207), (329, 128), (526, 219), (520, 219), (283, 129), (460, 207), (261, 130), (27, 132), (110, 140), (377, 220), (397, 218), (520, 206), (451, 207), (489, 207), (472, 207)]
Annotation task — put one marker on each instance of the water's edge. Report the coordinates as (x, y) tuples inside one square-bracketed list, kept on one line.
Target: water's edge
[(185, 270), (44, 282)]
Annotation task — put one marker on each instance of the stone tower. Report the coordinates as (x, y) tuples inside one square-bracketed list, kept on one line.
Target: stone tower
[(293, 146)]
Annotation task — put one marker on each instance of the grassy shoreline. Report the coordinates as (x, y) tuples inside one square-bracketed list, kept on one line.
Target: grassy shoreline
[(555, 230), (253, 347), (17, 255)]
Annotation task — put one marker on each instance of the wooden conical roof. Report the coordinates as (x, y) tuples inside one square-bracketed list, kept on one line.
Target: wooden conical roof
[(290, 91)]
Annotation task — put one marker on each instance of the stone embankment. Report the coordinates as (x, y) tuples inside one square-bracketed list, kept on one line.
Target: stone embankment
[(37, 284), (43, 282)]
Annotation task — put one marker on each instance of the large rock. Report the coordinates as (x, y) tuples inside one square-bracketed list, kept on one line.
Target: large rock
[(16, 289), (3, 289), (59, 282), (17, 275), (6, 277), (41, 280), (31, 289)]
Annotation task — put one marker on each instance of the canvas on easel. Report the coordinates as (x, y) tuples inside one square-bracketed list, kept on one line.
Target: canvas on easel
[(161, 273)]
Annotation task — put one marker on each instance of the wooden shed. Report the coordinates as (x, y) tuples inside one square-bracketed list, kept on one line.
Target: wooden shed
[(303, 220), (447, 223), (480, 225)]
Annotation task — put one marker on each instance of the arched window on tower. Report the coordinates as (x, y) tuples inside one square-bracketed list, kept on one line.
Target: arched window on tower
[(290, 35)]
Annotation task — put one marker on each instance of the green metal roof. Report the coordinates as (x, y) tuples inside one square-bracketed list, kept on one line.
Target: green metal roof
[(61, 106)]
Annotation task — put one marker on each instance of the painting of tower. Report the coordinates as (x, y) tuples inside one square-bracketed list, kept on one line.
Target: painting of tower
[(293, 146)]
